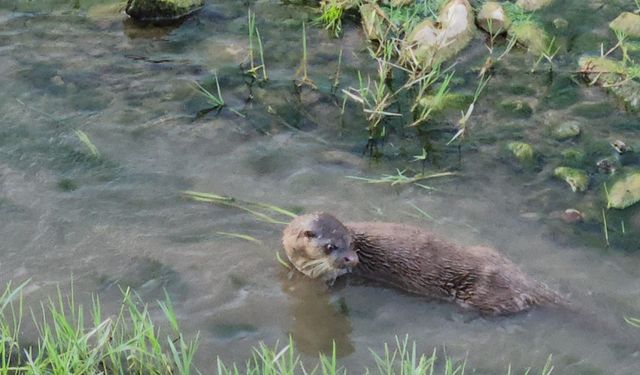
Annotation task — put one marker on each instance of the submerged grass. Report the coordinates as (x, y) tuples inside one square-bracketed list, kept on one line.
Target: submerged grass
[(256, 209), (241, 236), (400, 178), (86, 141), (254, 37), (302, 73)]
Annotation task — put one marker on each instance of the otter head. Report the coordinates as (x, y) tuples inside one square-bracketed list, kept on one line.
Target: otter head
[(319, 246)]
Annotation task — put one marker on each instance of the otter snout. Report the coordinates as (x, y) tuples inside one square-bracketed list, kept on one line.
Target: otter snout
[(348, 260)]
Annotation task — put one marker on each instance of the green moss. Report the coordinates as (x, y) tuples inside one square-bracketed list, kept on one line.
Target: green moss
[(522, 151), (566, 130), (531, 35), (150, 10), (516, 109), (577, 179), (67, 184)]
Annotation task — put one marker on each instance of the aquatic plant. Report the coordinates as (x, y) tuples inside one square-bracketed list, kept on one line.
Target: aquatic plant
[(400, 178), (336, 76), (84, 138), (302, 70), (215, 100), (254, 34), (632, 321), (331, 12), (256, 209), (425, 104), (549, 53), (241, 236), (463, 129)]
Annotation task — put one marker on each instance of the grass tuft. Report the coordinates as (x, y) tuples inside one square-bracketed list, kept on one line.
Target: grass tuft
[(72, 341)]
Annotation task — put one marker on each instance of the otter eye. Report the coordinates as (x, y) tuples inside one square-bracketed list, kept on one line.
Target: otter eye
[(329, 247), (309, 234)]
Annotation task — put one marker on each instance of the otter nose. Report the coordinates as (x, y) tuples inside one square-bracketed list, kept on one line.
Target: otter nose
[(350, 260)]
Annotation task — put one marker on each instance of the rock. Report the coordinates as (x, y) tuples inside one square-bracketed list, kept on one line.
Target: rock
[(531, 35), (627, 23), (619, 146), (162, 10), (492, 18), (531, 5), (373, 22), (427, 44), (57, 81), (439, 103), (625, 192), (106, 12), (522, 151), (566, 130), (572, 216), (613, 75), (608, 165), (576, 178), (422, 42), (560, 23), (516, 109)]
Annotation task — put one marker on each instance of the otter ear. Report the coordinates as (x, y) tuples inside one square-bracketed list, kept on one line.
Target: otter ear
[(309, 234)]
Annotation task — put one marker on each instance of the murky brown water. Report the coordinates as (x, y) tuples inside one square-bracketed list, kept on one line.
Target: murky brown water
[(121, 218)]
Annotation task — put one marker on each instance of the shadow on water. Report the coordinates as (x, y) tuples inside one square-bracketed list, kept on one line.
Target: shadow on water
[(319, 316)]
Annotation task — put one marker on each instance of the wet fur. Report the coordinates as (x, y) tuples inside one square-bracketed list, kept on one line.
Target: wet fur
[(419, 262)]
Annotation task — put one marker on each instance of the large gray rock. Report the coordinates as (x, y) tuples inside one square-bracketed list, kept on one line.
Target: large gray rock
[(162, 10)]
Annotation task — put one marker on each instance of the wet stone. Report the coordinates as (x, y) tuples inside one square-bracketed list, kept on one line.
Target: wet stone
[(577, 179), (522, 151), (492, 18), (572, 216), (516, 109), (566, 130), (560, 23), (625, 192), (162, 10), (531, 35), (620, 146), (531, 5), (627, 23), (608, 165)]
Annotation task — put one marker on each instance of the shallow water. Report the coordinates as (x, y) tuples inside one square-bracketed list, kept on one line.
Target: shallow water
[(121, 220)]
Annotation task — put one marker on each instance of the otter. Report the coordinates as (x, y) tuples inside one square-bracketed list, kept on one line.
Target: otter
[(414, 260)]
